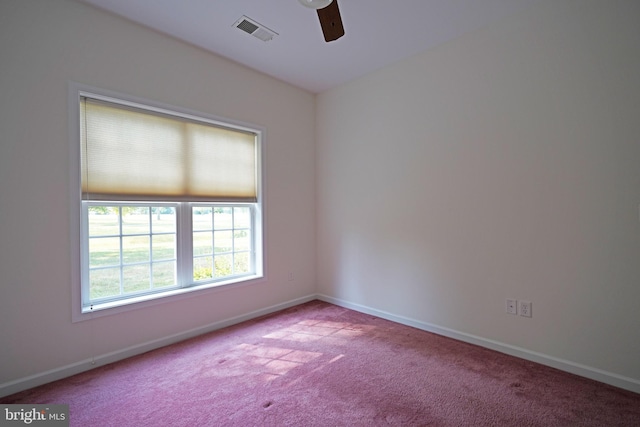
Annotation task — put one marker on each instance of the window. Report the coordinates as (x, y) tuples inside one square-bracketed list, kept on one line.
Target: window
[(170, 201)]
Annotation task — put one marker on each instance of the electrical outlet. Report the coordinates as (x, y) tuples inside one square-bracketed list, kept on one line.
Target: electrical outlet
[(512, 306), (525, 309), (290, 276)]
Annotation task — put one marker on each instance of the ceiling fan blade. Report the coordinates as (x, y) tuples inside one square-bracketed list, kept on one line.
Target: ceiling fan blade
[(331, 22)]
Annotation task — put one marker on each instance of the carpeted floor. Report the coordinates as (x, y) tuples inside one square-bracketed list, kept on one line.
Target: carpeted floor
[(322, 365)]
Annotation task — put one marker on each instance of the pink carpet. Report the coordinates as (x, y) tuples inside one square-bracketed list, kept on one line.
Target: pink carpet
[(321, 365)]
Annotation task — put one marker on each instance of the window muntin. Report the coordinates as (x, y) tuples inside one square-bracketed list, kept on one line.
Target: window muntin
[(142, 261)]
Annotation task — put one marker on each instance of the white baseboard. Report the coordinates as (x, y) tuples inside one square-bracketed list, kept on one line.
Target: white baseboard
[(554, 362), (25, 383)]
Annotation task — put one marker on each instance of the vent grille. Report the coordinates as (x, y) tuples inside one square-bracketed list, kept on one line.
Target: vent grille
[(257, 30), (247, 26)]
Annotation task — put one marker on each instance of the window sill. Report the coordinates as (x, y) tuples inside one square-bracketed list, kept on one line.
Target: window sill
[(120, 306)]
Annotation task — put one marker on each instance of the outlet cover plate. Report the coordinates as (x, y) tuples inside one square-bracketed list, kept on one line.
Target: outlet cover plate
[(512, 306), (525, 309)]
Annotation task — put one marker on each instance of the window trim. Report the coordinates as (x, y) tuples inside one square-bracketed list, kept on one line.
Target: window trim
[(75, 92)]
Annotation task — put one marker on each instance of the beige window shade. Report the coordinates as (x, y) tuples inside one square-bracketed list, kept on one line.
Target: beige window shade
[(131, 154)]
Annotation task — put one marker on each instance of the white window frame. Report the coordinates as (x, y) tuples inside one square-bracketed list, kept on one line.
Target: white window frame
[(81, 308)]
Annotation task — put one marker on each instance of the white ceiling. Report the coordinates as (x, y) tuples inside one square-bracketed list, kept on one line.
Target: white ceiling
[(377, 32)]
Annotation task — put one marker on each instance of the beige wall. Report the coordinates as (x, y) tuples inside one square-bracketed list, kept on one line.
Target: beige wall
[(502, 164), (43, 46)]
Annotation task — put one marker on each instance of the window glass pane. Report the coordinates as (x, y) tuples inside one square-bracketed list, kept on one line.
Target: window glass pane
[(223, 265), (241, 240), (164, 247), (163, 219), (201, 218), (241, 218), (104, 251), (135, 249), (223, 218), (104, 221), (164, 274), (135, 220), (241, 263), (104, 283), (202, 268), (136, 278), (223, 241), (202, 243)]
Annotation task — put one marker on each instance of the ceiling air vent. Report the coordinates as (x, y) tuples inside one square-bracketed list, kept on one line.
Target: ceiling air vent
[(257, 30)]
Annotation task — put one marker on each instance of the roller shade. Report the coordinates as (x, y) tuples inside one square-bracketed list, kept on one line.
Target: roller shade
[(130, 154)]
